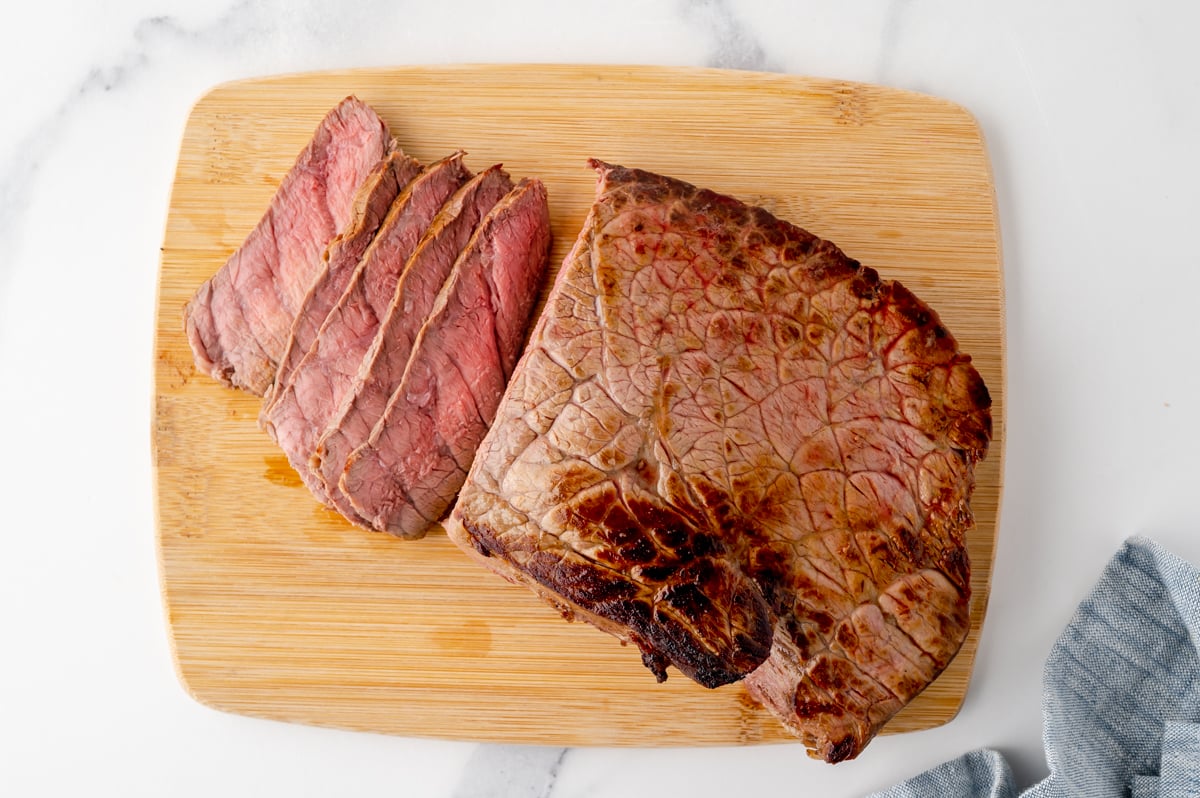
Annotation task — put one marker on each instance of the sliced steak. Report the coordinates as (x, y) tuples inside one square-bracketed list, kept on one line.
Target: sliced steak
[(405, 476), (382, 360), (314, 390), (742, 451), (238, 321), (374, 200)]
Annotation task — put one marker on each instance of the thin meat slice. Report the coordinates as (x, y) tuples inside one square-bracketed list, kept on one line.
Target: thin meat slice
[(742, 451), (238, 321), (406, 475), (382, 360), (340, 260), (314, 392)]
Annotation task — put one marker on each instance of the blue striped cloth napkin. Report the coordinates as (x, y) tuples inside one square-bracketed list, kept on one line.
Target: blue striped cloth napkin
[(1121, 694)]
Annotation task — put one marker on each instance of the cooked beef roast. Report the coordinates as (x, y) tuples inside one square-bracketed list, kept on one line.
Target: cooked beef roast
[(405, 477), (381, 365), (238, 321), (737, 448), (727, 442), (374, 200), (328, 348), (301, 408)]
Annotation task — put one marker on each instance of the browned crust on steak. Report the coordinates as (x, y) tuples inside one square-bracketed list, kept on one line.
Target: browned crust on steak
[(736, 447)]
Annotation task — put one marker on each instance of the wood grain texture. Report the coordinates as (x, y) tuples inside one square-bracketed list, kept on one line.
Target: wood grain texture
[(278, 608)]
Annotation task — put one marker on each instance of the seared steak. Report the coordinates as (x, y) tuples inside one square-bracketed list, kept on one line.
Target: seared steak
[(374, 199), (739, 449), (238, 321), (314, 390), (382, 360), (404, 478)]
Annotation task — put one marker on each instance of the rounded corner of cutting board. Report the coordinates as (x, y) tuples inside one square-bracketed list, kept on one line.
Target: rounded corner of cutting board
[(279, 610), (188, 682)]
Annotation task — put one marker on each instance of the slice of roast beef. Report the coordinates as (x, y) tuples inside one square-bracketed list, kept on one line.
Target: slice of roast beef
[(340, 260), (379, 370), (238, 321), (314, 389), (405, 477), (740, 450)]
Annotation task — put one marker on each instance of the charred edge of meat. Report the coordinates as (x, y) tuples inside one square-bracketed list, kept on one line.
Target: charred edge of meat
[(846, 748), (971, 422), (686, 561), (767, 229), (663, 629)]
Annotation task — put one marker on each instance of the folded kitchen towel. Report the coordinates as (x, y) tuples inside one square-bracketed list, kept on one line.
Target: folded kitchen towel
[(1121, 694)]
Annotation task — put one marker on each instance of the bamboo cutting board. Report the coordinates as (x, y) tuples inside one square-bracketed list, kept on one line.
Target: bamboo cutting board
[(278, 608)]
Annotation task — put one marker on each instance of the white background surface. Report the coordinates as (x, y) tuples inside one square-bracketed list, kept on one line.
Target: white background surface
[(1092, 114)]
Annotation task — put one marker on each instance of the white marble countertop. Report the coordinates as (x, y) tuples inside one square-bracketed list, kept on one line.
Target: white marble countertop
[(1091, 111)]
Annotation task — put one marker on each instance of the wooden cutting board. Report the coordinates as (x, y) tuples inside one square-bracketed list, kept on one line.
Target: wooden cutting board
[(278, 608)]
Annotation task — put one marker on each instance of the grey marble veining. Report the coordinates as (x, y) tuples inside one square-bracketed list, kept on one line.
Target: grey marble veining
[(893, 22), (150, 38), (511, 771), (733, 46)]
